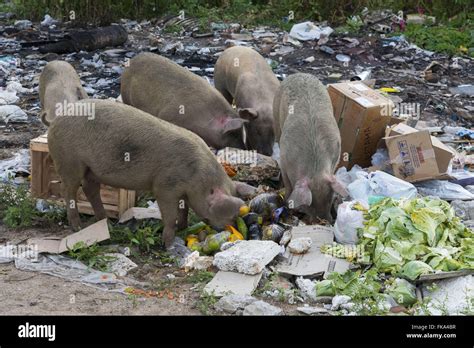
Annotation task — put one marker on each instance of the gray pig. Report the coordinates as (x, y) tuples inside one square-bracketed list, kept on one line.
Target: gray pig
[(58, 84), (168, 91), (118, 145), (244, 75), (310, 145)]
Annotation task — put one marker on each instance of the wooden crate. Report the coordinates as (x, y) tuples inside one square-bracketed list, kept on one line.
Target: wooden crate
[(45, 183)]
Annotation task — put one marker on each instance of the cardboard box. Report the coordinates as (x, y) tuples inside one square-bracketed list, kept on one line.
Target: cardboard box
[(362, 115), (417, 156)]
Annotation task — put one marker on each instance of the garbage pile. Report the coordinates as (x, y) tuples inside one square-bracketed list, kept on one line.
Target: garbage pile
[(395, 233)]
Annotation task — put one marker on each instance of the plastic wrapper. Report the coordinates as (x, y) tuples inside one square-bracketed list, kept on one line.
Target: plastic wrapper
[(347, 222)]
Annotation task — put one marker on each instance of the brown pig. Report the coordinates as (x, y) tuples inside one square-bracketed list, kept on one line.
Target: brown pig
[(168, 91), (310, 145), (244, 75), (59, 84), (118, 145)]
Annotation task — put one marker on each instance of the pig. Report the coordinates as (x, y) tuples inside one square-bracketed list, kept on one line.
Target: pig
[(242, 74), (115, 144), (58, 84), (310, 145), (168, 91)]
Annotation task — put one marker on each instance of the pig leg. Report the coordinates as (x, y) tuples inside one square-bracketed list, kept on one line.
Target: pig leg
[(286, 184), (69, 189), (91, 187), (169, 213), (183, 216), (71, 174)]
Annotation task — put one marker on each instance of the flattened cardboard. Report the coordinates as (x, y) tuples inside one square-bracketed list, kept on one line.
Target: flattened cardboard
[(225, 283), (94, 233), (313, 262), (140, 213), (362, 115), (417, 156)]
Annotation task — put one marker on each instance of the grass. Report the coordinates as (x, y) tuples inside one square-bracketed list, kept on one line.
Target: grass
[(200, 277)]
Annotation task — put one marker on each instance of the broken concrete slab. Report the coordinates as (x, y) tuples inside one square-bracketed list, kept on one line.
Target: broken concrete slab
[(248, 257), (300, 245), (313, 262), (262, 308), (232, 303), (140, 213), (92, 234), (307, 288), (225, 283), (312, 310), (194, 261)]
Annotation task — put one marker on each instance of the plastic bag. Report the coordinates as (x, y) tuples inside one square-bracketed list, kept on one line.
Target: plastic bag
[(379, 184), (443, 189), (347, 222)]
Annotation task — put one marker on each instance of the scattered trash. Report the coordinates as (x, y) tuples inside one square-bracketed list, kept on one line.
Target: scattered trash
[(48, 21), (349, 220), (120, 264), (248, 256), (376, 184), (23, 24), (443, 189), (300, 245), (232, 283), (432, 160), (463, 90), (309, 59), (463, 209), (20, 163), (308, 31), (12, 113), (92, 234), (343, 58), (360, 110), (314, 262), (194, 261), (140, 214), (265, 204)]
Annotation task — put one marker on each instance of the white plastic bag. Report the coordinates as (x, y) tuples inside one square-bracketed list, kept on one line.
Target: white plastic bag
[(379, 184), (444, 190), (347, 223)]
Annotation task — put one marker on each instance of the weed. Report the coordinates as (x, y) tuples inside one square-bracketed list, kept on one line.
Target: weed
[(206, 302), (16, 206), (145, 236), (93, 256), (201, 277)]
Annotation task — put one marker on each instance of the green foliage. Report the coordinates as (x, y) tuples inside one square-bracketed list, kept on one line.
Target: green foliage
[(17, 208), (146, 235), (93, 256), (201, 277), (206, 302), (445, 39)]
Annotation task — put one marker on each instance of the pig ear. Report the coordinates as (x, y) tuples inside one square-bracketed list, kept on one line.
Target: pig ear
[(233, 124), (301, 195), (248, 113), (244, 190), (337, 186)]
